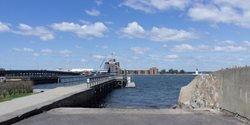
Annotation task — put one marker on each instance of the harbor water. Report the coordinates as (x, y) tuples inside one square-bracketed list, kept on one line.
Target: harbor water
[(159, 91)]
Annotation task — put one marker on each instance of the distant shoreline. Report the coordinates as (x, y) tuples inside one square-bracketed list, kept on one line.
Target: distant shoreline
[(164, 75)]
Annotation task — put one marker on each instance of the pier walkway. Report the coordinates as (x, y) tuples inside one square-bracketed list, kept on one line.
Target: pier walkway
[(17, 109)]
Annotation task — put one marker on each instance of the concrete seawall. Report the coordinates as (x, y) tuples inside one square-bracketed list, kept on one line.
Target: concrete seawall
[(227, 89)]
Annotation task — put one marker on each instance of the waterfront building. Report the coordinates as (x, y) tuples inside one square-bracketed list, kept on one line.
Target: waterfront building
[(151, 71), (112, 67)]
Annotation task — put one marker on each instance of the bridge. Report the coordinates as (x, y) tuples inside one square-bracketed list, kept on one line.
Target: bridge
[(37, 76), (86, 93)]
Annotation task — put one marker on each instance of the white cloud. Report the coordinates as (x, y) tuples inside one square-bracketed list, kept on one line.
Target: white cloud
[(39, 31), (172, 56), (140, 50), (102, 46), (223, 46), (4, 27), (26, 50), (93, 12), (183, 48), (46, 51), (65, 52), (98, 2), (23, 49), (165, 34), (150, 6), (99, 57), (246, 43), (83, 60), (230, 48), (36, 54), (227, 42), (235, 12), (84, 31), (134, 30)]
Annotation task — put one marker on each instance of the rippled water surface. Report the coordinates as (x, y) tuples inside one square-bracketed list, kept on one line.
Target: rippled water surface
[(159, 91)]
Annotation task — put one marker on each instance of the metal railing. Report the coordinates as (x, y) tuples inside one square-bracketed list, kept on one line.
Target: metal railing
[(71, 80), (90, 81), (96, 80)]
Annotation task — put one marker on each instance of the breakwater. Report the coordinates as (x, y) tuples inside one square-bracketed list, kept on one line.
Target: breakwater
[(227, 89)]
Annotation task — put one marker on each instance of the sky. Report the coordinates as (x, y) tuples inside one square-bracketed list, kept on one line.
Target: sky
[(180, 34)]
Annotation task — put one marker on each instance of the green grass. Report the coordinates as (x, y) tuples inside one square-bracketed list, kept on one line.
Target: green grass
[(7, 98)]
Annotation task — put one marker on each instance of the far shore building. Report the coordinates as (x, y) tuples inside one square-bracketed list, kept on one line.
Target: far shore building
[(151, 71), (112, 67)]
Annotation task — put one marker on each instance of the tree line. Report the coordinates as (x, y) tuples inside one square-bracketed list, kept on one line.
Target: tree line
[(172, 71)]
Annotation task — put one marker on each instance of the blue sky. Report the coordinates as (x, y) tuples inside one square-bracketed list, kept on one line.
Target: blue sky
[(179, 34)]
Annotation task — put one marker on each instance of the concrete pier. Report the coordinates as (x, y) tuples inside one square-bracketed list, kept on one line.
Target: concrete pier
[(82, 95), (86, 116)]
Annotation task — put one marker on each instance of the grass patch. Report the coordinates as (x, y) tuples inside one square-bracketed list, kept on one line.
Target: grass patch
[(7, 98)]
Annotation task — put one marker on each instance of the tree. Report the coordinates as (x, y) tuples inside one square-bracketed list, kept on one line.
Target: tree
[(163, 71), (182, 71), (175, 71), (171, 71)]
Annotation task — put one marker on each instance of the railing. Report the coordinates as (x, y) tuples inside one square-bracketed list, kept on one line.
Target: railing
[(90, 81), (71, 80), (96, 80)]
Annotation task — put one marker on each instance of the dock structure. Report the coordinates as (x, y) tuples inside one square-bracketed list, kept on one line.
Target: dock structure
[(85, 94)]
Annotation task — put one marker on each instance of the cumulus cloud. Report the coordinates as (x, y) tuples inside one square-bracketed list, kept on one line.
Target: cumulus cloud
[(133, 30), (183, 48), (165, 34), (162, 34), (232, 46), (39, 31), (150, 6), (235, 12), (93, 12), (190, 48), (140, 50), (88, 31), (65, 52), (222, 46), (4, 27)]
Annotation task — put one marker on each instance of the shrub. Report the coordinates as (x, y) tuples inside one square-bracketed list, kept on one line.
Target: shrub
[(10, 88)]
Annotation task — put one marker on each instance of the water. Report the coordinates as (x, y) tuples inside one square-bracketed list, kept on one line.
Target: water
[(161, 91)]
